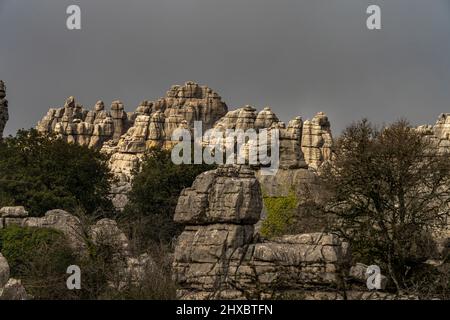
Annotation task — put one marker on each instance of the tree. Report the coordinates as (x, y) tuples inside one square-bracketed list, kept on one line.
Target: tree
[(389, 189), (43, 172), (154, 196)]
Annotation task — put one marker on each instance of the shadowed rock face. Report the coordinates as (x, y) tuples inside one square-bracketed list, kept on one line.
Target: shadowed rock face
[(3, 108), (219, 255)]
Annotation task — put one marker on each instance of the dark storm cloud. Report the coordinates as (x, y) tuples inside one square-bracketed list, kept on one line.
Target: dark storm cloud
[(297, 56)]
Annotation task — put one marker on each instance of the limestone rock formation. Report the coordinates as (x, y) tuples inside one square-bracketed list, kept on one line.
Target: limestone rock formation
[(62, 221), (14, 290), (106, 232), (156, 121), (90, 128), (218, 255), (4, 271), (317, 141), (226, 195), (439, 134), (126, 136), (290, 136), (10, 289), (3, 108)]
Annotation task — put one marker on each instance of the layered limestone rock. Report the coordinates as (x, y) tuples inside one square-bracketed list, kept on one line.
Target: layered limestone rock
[(317, 140), (126, 136), (4, 116), (439, 134), (10, 289), (290, 136), (156, 121), (218, 255), (129, 135), (89, 128)]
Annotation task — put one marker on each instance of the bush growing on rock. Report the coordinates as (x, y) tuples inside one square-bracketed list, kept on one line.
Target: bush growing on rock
[(42, 172), (280, 214)]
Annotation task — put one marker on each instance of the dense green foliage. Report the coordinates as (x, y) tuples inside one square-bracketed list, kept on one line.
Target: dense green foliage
[(39, 257), (155, 193), (44, 172), (21, 246), (280, 214)]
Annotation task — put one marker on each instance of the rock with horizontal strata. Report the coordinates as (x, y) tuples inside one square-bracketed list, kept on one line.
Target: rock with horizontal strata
[(218, 255)]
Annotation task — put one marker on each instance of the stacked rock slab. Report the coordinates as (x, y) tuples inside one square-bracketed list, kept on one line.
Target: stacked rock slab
[(218, 255), (290, 136), (317, 141), (156, 121), (3, 108)]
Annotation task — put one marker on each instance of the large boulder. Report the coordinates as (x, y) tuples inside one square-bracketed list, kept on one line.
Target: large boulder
[(230, 194), (62, 221), (13, 212), (106, 232)]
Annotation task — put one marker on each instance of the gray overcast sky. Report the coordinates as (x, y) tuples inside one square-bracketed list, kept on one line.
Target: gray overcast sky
[(298, 56)]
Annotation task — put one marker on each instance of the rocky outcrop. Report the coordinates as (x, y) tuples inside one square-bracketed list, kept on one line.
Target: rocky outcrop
[(290, 136), (104, 231), (219, 254), (126, 136), (317, 141), (156, 121), (4, 271), (105, 234), (439, 134), (3, 108), (90, 128), (10, 289)]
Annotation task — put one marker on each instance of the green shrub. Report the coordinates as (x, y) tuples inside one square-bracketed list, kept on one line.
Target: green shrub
[(43, 172), (39, 257), (280, 213)]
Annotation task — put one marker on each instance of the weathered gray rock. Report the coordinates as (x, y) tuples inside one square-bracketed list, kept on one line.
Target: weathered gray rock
[(4, 271), (317, 140), (358, 272), (62, 221), (285, 181), (218, 256), (229, 194), (13, 212), (106, 232), (14, 290)]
